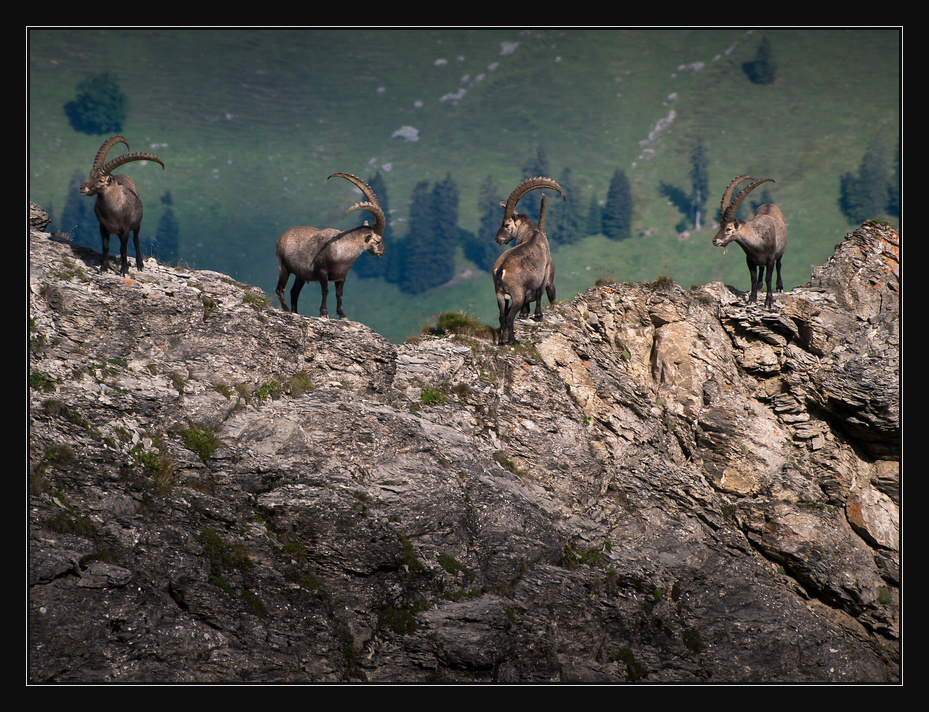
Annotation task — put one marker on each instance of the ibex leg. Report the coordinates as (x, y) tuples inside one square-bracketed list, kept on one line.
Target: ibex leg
[(124, 254), (768, 271), (138, 252), (324, 288), (105, 249), (756, 280), (295, 293), (338, 298)]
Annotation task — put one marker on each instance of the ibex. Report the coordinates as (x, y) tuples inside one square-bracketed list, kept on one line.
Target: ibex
[(521, 273), (118, 207), (327, 254), (550, 280), (763, 238)]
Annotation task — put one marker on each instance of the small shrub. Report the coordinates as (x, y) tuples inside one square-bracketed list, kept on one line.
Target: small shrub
[(409, 555), (41, 382), (361, 507), (450, 563), (399, 621), (571, 558), (256, 300), (663, 283), (222, 555), (310, 583), (201, 440), (67, 523), (270, 389), (691, 638), (509, 464), (255, 603), (431, 396), (634, 670), (220, 583), (300, 383), (459, 323), (159, 467)]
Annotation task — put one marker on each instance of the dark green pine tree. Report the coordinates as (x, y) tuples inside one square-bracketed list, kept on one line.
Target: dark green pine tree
[(443, 209), (893, 205), (395, 258), (537, 165), (163, 242), (867, 195), (564, 221), (165, 245), (77, 216), (432, 239), (594, 225), (763, 69), (369, 266), (617, 213), (481, 248), (699, 181)]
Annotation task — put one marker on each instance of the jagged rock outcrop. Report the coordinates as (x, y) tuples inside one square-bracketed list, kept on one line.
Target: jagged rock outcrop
[(657, 485)]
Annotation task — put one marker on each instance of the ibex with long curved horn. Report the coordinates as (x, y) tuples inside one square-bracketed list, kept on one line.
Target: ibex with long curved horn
[(327, 254), (550, 279), (521, 273), (118, 207), (763, 238)]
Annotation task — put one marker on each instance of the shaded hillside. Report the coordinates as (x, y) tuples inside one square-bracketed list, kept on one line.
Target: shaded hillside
[(657, 485)]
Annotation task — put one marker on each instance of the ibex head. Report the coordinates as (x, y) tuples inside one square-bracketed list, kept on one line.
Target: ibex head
[(100, 178), (511, 219), (729, 225), (374, 239)]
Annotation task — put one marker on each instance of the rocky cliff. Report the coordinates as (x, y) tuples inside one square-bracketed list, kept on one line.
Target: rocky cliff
[(656, 485)]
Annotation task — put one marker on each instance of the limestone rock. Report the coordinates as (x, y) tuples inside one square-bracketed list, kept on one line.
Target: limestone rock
[(656, 485)]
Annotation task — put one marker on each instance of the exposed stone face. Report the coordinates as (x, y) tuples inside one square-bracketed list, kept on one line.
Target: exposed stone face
[(656, 485)]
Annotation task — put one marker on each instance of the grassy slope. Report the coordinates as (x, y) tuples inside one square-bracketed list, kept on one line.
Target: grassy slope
[(252, 122)]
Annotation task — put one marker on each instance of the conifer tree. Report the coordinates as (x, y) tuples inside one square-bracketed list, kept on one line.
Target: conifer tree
[(77, 216), (536, 166), (893, 206), (432, 239), (617, 213), (763, 69), (164, 246), (481, 248), (594, 217), (565, 223), (368, 266), (700, 181), (868, 194)]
